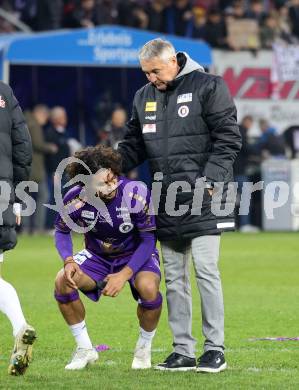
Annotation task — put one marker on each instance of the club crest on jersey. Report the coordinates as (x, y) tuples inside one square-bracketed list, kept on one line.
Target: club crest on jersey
[(183, 111), (2, 102), (186, 97), (126, 227)]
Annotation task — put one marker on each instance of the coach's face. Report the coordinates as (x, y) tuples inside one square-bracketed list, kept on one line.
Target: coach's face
[(159, 72)]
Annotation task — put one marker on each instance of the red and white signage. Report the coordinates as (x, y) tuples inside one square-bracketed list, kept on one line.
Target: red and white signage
[(250, 80)]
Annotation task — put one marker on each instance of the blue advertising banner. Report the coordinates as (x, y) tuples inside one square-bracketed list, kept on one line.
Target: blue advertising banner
[(109, 46)]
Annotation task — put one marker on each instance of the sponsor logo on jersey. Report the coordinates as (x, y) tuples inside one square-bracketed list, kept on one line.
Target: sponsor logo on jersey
[(87, 214), (186, 97), (151, 117), (2, 102), (149, 128), (151, 106)]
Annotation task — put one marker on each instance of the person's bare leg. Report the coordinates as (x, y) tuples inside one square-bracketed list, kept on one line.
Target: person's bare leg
[(73, 311), (147, 285)]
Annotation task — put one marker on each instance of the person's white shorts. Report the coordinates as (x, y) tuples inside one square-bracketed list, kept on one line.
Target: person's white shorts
[(1, 257)]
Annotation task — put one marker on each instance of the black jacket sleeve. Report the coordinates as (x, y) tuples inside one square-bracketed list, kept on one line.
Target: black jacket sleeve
[(21, 143), (132, 148), (220, 115)]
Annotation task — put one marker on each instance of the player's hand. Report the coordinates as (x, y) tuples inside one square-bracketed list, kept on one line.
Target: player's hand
[(115, 283), (70, 270)]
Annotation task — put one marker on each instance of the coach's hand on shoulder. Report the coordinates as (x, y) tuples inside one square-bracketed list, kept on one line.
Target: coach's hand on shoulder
[(70, 269), (115, 282)]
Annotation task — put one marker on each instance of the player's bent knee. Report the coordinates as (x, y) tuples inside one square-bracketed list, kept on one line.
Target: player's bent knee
[(151, 305), (59, 280), (66, 298), (148, 291)]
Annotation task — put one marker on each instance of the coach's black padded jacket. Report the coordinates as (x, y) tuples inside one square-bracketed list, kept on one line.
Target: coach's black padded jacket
[(187, 132), (15, 161)]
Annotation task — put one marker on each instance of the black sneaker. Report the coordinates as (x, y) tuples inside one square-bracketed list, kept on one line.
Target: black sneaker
[(177, 362), (211, 361)]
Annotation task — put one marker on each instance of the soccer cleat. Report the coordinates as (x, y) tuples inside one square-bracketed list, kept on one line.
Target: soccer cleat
[(142, 357), (211, 361), (177, 362), (81, 358), (22, 353)]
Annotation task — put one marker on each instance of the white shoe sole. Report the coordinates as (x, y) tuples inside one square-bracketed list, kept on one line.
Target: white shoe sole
[(212, 370), (182, 369), (89, 363), (134, 367)]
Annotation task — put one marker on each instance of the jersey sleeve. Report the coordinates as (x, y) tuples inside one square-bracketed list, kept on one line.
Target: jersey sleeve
[(144, 218), (72, 204)]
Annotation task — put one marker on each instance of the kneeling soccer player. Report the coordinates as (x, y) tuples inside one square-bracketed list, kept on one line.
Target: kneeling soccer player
[(119, 250)]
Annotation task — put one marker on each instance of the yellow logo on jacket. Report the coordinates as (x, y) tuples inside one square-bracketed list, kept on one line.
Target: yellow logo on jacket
[(151, 106)]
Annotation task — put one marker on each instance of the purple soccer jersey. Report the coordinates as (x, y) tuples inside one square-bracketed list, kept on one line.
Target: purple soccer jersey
[(116, 237)]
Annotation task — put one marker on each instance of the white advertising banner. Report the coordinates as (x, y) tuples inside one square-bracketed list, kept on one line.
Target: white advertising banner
[(287, 62), (248, 77)]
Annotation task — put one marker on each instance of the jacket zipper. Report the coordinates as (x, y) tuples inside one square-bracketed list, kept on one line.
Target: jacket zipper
[(165, 158), (165, 139)]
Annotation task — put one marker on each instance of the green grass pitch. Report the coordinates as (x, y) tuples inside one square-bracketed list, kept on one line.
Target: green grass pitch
[(261, 289)]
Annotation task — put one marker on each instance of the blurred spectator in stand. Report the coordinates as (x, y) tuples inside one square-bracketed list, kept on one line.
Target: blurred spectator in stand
[(132, 14), (205, 4), (84, 14), (48, 14), (294, 17), (241, 174), (103, 106), (199, 22), (114, 132), (279, 3), (214, 31), (236, 10), (270, 143), (106, 12), (24, 11), (179, 18), (114, 129), (224, 4), (36, 121), (256, 11), (269, 31), (56, 133), (291, 138), (284, 24), (155, 11)]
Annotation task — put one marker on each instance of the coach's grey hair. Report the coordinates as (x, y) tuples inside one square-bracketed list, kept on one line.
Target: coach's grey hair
[(157, 48)]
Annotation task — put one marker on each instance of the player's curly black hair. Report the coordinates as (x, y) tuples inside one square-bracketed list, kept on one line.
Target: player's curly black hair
[(95, 157)]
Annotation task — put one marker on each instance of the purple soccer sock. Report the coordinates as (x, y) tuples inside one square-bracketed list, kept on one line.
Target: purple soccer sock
[(66, 298), (151, 305)]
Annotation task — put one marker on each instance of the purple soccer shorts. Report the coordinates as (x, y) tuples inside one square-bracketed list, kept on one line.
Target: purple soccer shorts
[(98, 268)]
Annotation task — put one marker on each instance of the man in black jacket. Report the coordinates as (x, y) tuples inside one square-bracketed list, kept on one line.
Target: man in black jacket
[(15, 162), (184, 123)]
